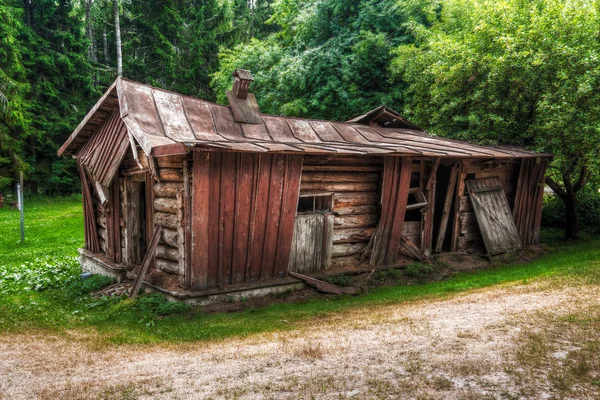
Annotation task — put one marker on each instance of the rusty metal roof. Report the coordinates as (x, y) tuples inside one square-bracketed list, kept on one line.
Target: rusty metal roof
[(164, 122)]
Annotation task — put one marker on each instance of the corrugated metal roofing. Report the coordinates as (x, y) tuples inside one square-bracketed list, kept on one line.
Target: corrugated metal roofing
[(159, 119)]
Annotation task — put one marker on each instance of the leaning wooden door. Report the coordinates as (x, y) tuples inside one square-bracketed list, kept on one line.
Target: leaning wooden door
[(493, 214), (311, 244)]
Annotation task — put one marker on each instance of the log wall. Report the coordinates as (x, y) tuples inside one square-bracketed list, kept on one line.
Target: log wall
[(169, 213), (356, 185)]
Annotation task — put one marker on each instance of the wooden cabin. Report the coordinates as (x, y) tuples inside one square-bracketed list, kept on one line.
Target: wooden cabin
[(236, 199)]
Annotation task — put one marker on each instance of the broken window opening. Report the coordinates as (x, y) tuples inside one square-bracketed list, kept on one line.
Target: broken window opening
[(315, 203)]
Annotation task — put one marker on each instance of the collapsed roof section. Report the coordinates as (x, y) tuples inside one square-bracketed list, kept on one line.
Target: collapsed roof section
[(165, 123)]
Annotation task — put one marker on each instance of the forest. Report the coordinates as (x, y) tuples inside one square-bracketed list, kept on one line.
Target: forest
[(510, 72)]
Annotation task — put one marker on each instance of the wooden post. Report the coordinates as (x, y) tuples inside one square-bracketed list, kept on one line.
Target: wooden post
[(446, 213), (21, 206)]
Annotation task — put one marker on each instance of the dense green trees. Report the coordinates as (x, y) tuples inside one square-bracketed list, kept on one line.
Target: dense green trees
[(504, 71), (514, 72), (58, 56), (329, 58)]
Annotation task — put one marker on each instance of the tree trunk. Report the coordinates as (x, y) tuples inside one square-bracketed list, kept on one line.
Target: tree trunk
[(571, 222), (118, 38), (27, 4), (105, 40), (568, 194)]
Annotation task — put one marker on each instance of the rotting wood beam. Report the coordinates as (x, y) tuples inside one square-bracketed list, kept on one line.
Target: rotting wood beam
[(137, 284), (446, 212)]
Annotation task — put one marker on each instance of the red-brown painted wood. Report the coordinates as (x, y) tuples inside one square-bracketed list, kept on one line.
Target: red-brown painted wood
[(288, 212), (200, 220), (243, 188), (226, 218), (214, 218), (259, 215), (273, 216)]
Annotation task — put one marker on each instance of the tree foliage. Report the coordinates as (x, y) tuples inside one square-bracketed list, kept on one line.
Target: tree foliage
[(513, 72), (329, 58)]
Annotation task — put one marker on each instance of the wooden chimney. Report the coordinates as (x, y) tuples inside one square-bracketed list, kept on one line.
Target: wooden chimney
[(243, 103), (241, 82)]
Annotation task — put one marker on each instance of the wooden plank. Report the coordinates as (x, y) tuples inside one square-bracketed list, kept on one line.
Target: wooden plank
[(226, 216), (133, 226), (339, 177), (137, 284), (446, 211), (357, 210), (412, 249), (352, 235), (460, 190), (200, 220), (214, 262), (426, 243), (352, 199), (342, 168), (494, 218), (259, 215), (291, 178), (399, 207), (243, 202), (185, 229), (339, 187), (356, 221), (323, 286), (273, 215)]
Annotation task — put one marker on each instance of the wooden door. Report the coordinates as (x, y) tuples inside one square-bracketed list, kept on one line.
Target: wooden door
[(493, 214), (311, 243)]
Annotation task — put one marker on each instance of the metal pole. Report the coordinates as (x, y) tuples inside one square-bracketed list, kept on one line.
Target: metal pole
[(21, 206)]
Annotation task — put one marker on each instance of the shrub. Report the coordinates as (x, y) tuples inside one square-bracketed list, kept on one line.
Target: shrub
[(588, 211), (155, 304), (83, 287), (340, 280), (40, 274), (418, 269)]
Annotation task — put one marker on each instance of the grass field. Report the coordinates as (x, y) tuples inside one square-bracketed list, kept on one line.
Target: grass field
[(54, 229)]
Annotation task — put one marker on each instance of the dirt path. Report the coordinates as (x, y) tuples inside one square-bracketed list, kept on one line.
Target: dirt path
[(470, 346)]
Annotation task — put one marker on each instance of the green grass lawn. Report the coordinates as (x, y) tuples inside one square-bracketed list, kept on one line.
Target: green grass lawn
[(54, 229)]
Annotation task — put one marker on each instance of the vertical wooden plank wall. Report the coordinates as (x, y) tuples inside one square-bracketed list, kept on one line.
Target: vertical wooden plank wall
[(396, 182), (355, 183), (527, 210), (243, 208)]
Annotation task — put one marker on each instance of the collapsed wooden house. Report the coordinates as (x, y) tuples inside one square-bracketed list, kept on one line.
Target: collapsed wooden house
[(237, 199)]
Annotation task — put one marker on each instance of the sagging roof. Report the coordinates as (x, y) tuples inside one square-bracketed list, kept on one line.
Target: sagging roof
[(164, 122)]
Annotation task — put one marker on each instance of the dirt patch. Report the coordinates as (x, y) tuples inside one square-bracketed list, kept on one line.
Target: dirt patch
[(467, 346)]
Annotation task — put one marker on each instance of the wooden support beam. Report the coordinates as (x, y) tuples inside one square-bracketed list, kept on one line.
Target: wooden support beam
[(446, 213), (427, 239), (148, 257), (324, 287), (460, 190)]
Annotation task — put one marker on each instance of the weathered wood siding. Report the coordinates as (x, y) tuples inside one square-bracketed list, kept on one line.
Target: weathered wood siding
[(356, 185), (467, 236), (311, 245), (529, 195), (243, 208)]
